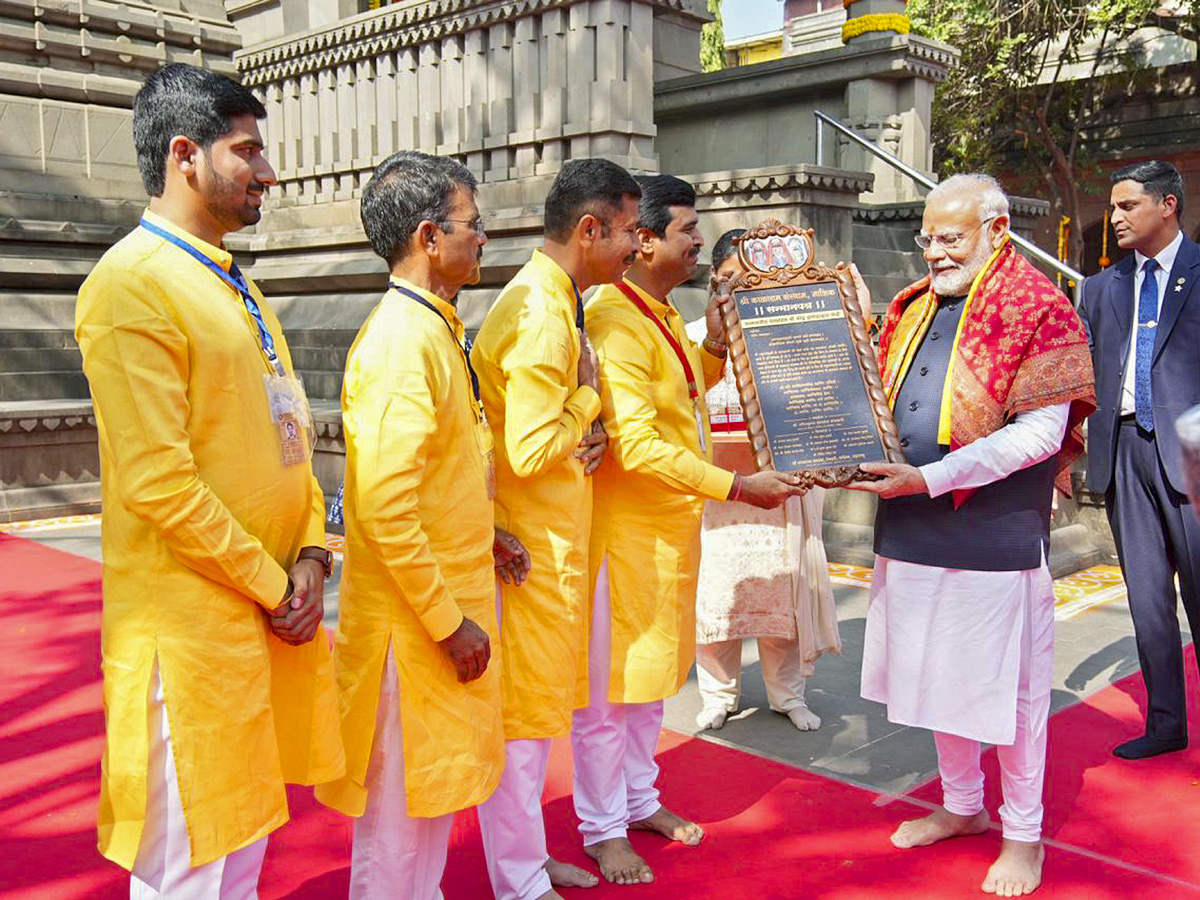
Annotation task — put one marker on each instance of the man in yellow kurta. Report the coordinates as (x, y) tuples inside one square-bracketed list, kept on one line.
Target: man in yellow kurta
[(215, 692), (538, 376), (420, 703), (646, 520)]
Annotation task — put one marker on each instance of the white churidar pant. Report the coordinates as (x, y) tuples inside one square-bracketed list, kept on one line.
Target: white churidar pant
[(970, 656), (719, 673), (163, 864), (395, 854), (512, 825), (613, 743), (511, 821)]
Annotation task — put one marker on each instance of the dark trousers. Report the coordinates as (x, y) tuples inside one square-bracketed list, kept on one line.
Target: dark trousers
[(1157, 536)]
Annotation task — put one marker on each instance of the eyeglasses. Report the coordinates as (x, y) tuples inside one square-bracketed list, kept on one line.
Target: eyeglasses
[(475, 224), (949, 240)]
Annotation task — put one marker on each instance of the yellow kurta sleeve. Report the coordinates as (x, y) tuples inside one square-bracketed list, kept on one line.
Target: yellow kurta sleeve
[(136, 361), (544, 420), (393, 448), (714, 367), (629, 418), (314, 532)]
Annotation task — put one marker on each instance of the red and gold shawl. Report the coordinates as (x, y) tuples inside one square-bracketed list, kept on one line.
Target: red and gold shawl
[(1020, 346)]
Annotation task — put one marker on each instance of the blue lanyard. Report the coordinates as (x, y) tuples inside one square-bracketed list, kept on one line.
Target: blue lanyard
[(235, 279), (465, 347)]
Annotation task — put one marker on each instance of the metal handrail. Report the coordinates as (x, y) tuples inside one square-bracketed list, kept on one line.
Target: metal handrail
[(920, 178)]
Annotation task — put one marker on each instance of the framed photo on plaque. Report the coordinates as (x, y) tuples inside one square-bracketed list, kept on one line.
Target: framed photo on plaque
[(805, 367)]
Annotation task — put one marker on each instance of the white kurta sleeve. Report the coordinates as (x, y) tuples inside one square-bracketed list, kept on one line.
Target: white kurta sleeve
[(1027, 440)]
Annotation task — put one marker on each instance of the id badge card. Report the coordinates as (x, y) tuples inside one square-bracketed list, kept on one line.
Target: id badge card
[(700, 427), (292, 418), (487, 449)]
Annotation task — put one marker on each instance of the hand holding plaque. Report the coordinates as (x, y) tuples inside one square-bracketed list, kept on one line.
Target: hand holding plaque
[(805, 368)]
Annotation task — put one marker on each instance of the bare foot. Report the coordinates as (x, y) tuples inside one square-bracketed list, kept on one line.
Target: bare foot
[(566, 875), (619, 862), (1017, 870), (671, 826), (937, 826)]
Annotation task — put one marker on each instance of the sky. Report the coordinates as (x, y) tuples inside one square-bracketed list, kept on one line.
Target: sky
[(746, 17)]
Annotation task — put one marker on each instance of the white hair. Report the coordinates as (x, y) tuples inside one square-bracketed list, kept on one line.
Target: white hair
[(992, 199)]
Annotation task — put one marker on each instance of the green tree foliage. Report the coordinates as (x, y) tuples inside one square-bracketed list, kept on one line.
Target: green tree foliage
[(1032, 75), (712, 40)]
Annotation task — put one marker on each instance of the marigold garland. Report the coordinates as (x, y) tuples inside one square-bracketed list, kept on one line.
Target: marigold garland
[(1064, 237), (1104, 259), (897, 22)]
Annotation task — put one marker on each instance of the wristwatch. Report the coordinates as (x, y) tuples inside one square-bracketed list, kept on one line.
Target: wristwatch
[(320, 554)]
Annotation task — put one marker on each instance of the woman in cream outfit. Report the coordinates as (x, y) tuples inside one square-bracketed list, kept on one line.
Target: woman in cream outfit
[(763, 575)]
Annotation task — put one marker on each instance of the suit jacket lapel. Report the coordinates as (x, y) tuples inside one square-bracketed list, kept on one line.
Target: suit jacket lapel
[(1120, 297), (1184, 276)]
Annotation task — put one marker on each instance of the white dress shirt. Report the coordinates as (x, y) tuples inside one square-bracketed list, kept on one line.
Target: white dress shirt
[(1162, 275), (1027, 440)]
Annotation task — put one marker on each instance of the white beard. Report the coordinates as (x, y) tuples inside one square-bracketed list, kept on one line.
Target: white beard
[(957, 281)]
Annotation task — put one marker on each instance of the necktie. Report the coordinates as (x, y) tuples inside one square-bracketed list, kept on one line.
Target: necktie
[(1143, 408)]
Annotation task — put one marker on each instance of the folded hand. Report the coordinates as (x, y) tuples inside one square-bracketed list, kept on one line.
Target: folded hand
[(297, 619)]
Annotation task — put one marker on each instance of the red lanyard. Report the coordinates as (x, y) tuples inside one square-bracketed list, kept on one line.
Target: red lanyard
[(629, 292)]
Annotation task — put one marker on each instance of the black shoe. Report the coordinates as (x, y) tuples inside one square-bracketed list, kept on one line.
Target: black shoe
[(1143, 747)]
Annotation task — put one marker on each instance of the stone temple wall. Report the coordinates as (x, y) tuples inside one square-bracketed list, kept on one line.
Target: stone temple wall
[(69, 185), (513, 88), (69, 188)]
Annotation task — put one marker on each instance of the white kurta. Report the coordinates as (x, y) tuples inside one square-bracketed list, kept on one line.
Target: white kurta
[(943, 647)]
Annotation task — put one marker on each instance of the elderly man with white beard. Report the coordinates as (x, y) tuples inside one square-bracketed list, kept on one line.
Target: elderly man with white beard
[(986, 366)]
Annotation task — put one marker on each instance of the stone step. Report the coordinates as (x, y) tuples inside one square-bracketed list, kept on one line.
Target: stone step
[(36, 338), (329, 359), (884, 237), (57, 359), (320, 338), (890, 262), (322, 384), (43, 386)]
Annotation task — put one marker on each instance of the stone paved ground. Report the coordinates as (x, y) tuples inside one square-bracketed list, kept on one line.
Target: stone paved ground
[(855, 743)]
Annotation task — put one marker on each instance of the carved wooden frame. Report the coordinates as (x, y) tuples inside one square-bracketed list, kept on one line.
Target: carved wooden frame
[(753, 277)]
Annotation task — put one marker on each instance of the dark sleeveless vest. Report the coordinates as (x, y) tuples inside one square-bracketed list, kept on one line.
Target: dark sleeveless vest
[(1003, 527)]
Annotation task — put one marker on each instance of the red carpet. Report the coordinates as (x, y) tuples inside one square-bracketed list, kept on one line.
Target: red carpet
[(774, 831)]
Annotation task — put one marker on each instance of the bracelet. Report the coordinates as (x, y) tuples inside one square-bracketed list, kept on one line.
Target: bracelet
[(291, 589), (716, 348), (736, 493)]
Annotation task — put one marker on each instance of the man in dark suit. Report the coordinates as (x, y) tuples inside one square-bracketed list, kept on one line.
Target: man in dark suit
[(1143, 321)]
